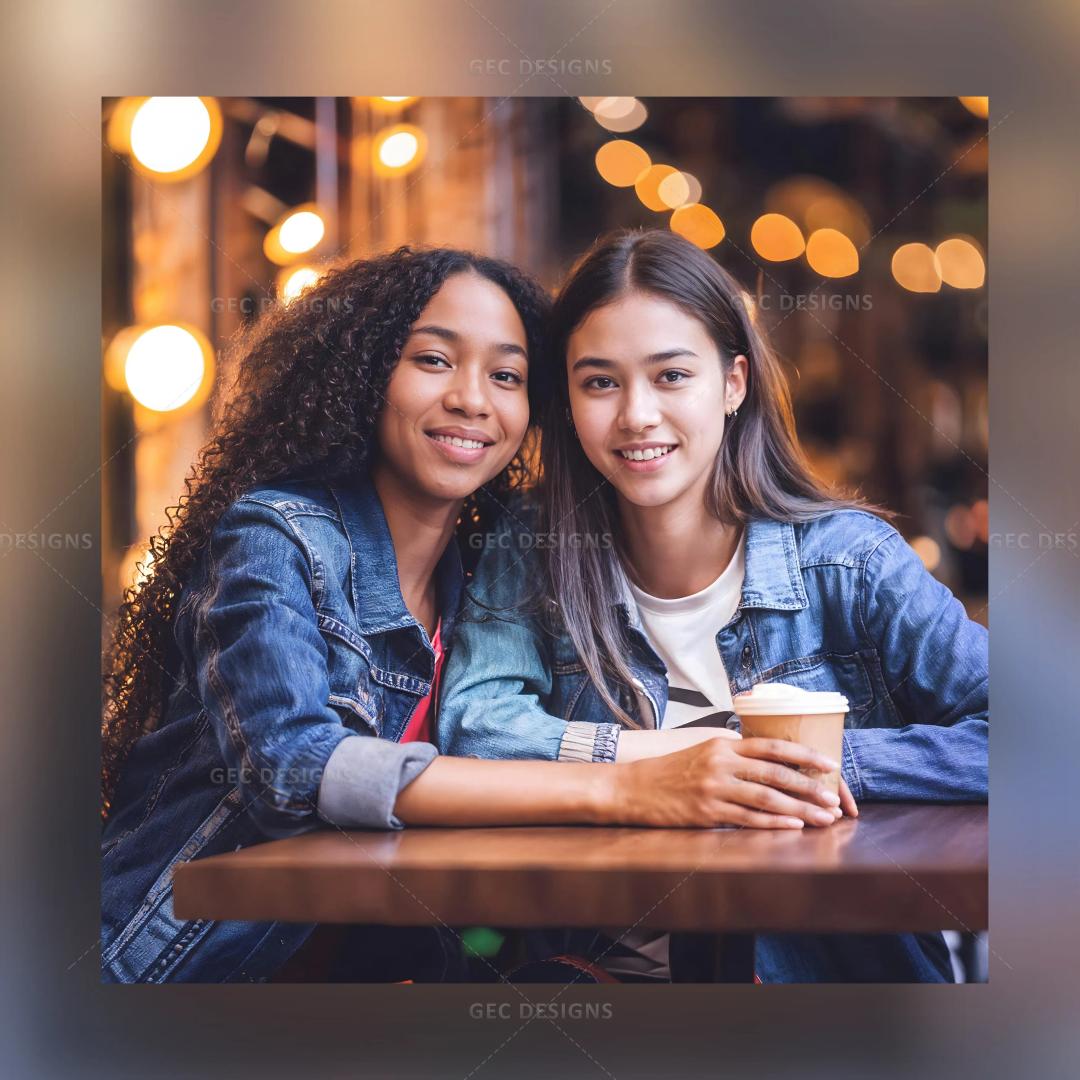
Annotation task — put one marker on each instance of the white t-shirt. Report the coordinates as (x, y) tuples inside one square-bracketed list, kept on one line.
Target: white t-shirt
[(683, 633)]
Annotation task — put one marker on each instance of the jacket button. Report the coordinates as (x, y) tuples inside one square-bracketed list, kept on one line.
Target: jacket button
[(746, 655)]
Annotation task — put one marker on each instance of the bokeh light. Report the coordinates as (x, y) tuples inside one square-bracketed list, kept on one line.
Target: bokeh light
[(620, 114), (978, 106), (172, 138), (620, 162), (166, 366), (960, 263), (915, 268), (648, 183), (399, 149), (679, 189), (293, 281), (929, 550), (777, 238), (832, 254), (698, 224), (298, 231)]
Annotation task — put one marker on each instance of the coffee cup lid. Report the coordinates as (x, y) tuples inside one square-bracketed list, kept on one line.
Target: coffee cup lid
[(767, 699)]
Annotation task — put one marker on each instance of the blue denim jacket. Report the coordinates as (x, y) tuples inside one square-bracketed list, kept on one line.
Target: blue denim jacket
[(291, 640), (840, 603)]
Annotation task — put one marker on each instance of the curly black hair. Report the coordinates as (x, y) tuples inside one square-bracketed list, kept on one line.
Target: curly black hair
[(312, 378)]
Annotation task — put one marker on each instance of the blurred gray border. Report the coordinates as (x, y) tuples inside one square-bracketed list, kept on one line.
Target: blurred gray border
[(62, 58)]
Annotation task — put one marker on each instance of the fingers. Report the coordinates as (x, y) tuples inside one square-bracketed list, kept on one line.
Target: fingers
[(753, 819), (779, 776), (847, 800), (762, 797), (782, 750)]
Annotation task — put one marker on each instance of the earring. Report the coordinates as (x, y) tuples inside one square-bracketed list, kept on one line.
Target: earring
[(732, 414)]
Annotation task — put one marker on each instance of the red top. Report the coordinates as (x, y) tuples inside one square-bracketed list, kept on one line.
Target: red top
[(419, 727)]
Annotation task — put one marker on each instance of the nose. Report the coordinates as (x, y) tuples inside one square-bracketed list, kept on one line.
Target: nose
[(467, 393), (638, 411)]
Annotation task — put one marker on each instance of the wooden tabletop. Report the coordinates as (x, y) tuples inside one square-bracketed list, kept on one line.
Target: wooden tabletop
[(898, 867)]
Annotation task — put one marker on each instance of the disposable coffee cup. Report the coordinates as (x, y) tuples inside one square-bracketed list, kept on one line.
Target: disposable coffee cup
[(813, 718)]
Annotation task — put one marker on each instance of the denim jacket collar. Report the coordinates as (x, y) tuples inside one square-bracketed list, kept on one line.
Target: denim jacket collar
[(773, 578), (376, 591)]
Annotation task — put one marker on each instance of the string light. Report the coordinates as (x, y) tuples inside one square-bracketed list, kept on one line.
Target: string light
[(167, 367), (399, 149), (171, 138)]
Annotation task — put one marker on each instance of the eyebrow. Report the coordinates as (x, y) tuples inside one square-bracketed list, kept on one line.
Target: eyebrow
[(509, 348), (652, 358)]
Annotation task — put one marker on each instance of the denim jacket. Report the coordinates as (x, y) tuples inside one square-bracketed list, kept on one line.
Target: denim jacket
[(292, 646), (839, 603)]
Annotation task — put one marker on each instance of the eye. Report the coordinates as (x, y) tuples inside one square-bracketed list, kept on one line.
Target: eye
[(509, 378), (599, 382), (672, 375), (432, 360)]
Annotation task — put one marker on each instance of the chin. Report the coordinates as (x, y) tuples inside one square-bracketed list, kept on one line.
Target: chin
[(646, 495)]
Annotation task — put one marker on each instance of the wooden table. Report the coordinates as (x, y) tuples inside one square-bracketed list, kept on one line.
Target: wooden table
[(898, 867)]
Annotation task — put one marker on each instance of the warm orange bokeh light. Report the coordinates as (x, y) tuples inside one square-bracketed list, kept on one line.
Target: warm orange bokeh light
[(832, 254), (698, 224), (777, 238), (620, 162), (960, 263), (648, 183), (914, 267)]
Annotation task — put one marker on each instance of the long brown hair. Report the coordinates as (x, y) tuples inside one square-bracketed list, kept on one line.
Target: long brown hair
[(311, 384), (760, 470)]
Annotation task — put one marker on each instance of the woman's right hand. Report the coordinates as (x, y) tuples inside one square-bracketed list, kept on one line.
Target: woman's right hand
[(726, 782)]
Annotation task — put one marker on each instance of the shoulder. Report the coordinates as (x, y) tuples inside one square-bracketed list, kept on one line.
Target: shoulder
[(842, 538), (291, 499)]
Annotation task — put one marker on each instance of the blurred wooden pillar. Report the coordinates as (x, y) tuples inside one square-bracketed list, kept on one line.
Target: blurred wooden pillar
[(170, 241), (484, 184)]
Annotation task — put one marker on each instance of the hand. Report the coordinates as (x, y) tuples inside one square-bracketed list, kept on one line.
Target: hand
[(726, 782), (847, 800)]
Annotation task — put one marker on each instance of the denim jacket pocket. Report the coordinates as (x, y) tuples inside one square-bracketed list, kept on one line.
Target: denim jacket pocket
[(829, 671), (353, 694)]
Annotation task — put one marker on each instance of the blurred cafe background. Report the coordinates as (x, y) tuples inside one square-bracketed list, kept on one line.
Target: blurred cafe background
[(857, 225)]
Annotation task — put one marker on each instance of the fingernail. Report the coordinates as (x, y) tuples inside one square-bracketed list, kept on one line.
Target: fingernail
[(830, 765), (795, 823), (824, 817), (837, 812), (832, 797)]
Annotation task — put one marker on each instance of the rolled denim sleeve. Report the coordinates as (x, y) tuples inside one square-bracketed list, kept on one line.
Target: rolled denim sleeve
[(363, 778), (935, 662), (497, 675), (261, 667)]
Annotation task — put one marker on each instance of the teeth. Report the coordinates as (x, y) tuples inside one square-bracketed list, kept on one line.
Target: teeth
[(453, 440), (646, 455)]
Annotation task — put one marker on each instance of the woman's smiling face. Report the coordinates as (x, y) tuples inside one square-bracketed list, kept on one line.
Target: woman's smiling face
[(457, 407), (649, 393)]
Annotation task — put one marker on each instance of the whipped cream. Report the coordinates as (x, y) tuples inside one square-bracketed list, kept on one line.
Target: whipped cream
[(775, 699)]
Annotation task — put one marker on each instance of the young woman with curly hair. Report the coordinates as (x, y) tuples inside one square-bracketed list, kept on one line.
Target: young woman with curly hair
[(278, 669)]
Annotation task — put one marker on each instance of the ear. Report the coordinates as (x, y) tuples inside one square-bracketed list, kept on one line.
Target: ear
[(735, 388)]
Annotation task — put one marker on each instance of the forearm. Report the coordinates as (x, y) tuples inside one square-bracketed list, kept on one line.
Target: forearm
[(465, 791), (918, 762), (636, 745)]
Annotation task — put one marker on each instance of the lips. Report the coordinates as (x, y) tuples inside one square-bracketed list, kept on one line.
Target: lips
[(645, 457), (463, 446)]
